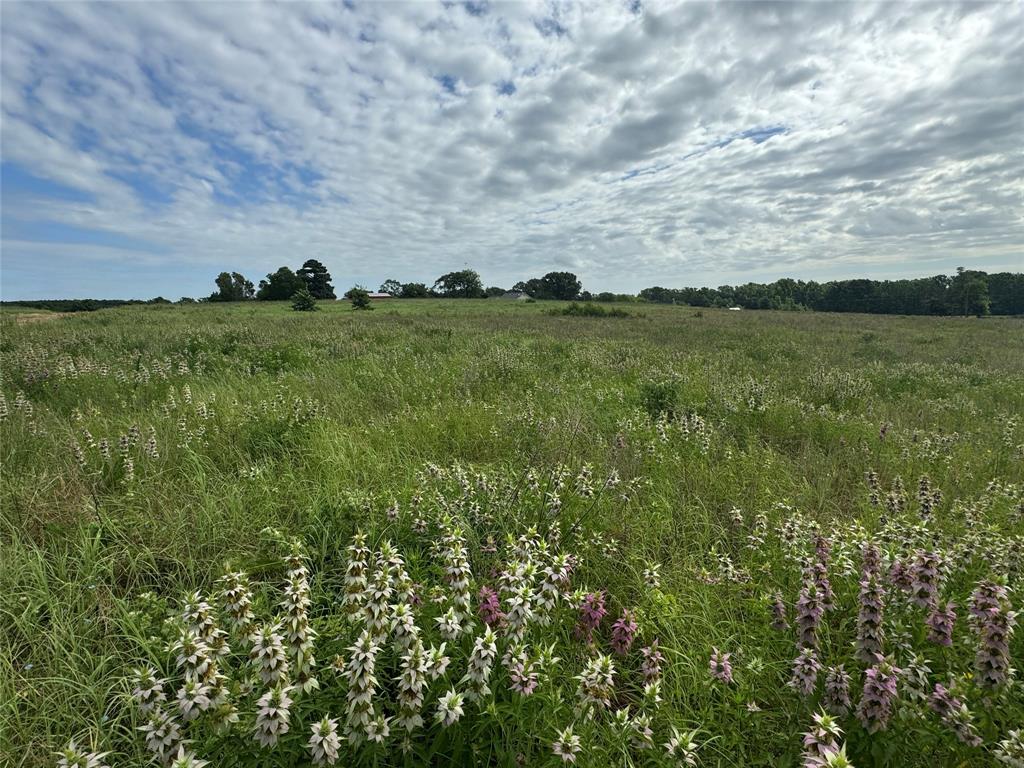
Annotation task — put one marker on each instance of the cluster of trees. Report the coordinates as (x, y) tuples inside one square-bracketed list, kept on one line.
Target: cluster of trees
[(968, 292), (283, 284), (466, 284)]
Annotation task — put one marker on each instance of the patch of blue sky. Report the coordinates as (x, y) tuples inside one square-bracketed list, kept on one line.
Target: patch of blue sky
[(250, 180), (18, 182), (47, 231)]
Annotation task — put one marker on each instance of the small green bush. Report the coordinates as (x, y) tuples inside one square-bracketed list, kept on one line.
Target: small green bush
[(589, 310), (303, 301)]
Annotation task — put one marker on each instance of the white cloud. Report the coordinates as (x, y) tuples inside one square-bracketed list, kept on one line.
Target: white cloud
[(377, 138)]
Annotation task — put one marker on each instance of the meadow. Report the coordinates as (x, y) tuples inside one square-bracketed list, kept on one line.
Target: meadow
[(485, 533)]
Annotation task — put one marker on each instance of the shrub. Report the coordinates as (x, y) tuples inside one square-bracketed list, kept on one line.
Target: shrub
[(360, 298), (589, 310), (303, 301)]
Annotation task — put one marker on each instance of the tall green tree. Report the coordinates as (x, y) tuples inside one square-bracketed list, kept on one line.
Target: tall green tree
[(969, 293), (564, 286), (317, 279), (280, 285), (232, 286), (415, 291), (391, 286), (464, 284)]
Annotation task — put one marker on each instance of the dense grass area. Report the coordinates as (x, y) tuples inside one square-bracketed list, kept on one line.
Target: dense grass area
[(251, 417)]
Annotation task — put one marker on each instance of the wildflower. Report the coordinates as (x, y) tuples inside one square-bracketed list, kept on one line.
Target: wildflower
[(879, 695), (871, 601), (403, 626), (449, 708), (779, 621), (992, 660), (809, 610), (642, 736), (567, 745), (324, 742), (721, 667), (1011, 749), (448, 624), (652, 576), (193, 698), (591, 612), (924, 579), (361, 685), (378, 729), (554, 583), (650, 665), (73, 757), (148, 690), (682, 747), (457, 573), (805, 672), (520, 612), (597, 681), (437, 662), (819, 571), (377, 607), (940, 623), (955, 715), (269, 655), (821, 741), (299, 636), (193, 655), (623, 633), (163, 735), (481, 661), (522, 673), (355, 575), (489, 607), (272, 715), (411, 682), (186, 759), (236, 597), (836, 700)]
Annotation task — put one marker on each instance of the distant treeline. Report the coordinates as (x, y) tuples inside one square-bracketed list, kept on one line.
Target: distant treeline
[(966, 293), (80, 305)]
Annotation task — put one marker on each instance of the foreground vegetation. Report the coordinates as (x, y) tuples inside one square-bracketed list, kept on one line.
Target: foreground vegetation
[(472, 532)]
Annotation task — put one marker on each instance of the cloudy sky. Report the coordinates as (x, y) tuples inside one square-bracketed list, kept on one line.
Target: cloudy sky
[(147, 146)]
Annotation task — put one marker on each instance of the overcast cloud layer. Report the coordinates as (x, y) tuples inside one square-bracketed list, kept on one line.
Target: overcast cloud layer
[(147, 146)]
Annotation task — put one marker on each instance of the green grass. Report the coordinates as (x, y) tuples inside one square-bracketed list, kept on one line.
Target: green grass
[(312, 423)]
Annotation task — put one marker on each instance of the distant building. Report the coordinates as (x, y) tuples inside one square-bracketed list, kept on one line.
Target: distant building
[(515, 295), (735, 309), (379, 295)]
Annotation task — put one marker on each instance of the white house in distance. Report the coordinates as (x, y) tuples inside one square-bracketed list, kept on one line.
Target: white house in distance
[(515, 295), (379, 295)]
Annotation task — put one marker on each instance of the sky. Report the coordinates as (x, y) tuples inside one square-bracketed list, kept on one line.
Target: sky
[(146, 147)]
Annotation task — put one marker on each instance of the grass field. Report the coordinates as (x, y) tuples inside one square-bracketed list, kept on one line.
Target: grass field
[(680, 460)]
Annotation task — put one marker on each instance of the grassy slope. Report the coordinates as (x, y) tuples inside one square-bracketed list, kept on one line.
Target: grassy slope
[(418, 381)]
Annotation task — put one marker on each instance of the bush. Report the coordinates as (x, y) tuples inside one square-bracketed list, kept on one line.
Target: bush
[(360, 298), (589, 310), (303, 301)]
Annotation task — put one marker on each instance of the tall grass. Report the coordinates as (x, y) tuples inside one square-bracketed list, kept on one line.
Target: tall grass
[(313, 423)]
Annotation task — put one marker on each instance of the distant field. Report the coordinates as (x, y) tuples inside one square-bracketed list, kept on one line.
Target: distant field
[(729, 438)]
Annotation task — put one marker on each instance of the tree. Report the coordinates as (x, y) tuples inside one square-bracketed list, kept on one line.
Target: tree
[(464, 284), (360, 297), (564, 286), (304, 301), (969, 293), (414, 291), (280, 285), (232, 287), (494, 291), (317, 279), (391, 286)]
